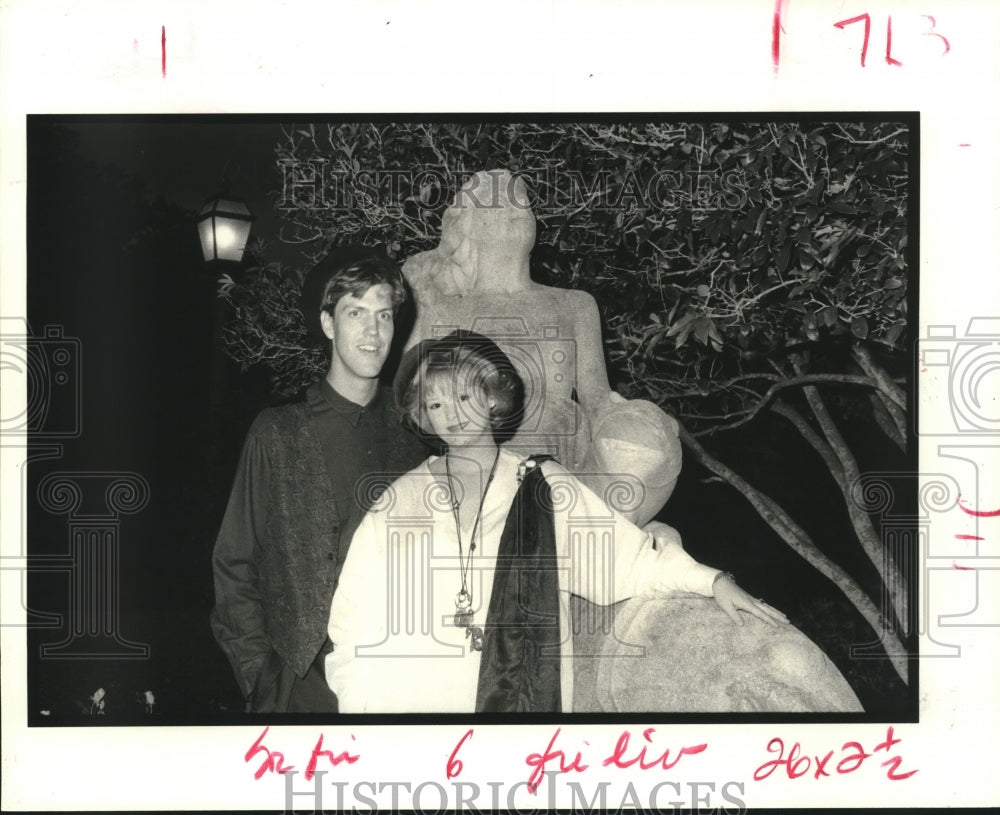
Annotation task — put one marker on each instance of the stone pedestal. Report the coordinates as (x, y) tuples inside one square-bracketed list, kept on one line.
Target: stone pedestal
[(693, 658)]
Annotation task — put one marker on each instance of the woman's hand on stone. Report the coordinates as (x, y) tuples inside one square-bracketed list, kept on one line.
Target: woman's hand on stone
[(731, 599)]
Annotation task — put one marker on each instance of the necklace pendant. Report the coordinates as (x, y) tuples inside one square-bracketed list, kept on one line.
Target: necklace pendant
[(463, 609), (475, 633), (463, 618)]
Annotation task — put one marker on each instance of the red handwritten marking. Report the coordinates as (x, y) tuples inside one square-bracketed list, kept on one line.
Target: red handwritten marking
[(821, 764), (797, 765), (933, 33), (334, 760), (163, 50), (454, 766), (539, 761), (273, 763), (978, 513), (855, 761), (969, 538), (888, 45), (776, 36), (617, 757), (965, 144), (868, 30), (962, 568), (895, 761), (887, 745)]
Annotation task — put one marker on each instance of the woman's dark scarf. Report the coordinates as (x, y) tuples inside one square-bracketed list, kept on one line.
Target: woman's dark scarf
[(520, 667)]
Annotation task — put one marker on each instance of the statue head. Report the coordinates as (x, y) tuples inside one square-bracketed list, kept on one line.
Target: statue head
[(488, 228), (491, 210)]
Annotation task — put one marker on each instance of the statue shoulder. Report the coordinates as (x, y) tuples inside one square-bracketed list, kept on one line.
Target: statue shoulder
[(582, 305), (574, 298)]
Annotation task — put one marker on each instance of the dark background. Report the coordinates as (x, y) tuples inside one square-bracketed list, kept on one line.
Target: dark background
[(114, 260)]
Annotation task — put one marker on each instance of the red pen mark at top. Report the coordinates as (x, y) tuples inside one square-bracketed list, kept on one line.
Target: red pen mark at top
[(776, 29), (888, 45), (969, 538), (933, 33), (962, 568), (965, 144), (163, 50), (995, 513), (868, 30)]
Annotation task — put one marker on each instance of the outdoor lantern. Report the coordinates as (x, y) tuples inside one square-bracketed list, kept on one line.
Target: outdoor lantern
[(224, 227)]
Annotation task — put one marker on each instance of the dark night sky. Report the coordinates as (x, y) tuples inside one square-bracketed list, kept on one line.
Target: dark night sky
[(186, 161), (123, 279)]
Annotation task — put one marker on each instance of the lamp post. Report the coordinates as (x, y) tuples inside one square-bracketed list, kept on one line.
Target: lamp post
[(224, 227)]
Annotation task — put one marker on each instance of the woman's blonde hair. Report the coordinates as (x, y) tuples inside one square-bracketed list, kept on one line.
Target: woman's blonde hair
[(469, 361)]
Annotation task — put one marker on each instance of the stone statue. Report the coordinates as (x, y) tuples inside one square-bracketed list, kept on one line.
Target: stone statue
[(478, 278), (682, 654), (627, 451)]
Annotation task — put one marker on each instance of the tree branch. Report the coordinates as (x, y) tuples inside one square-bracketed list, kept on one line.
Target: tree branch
[(801, 543), (891, 395), (885, 420), (847, 136), (792, 382), (863, 356), (870, 542)]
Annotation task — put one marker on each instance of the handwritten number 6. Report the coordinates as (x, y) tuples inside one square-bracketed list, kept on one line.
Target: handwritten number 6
[(455, 766)]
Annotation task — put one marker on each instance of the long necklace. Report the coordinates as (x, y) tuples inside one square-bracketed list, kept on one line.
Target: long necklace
[(463, 600)]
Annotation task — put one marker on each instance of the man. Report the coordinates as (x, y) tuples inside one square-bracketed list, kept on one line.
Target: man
[(303, 483)]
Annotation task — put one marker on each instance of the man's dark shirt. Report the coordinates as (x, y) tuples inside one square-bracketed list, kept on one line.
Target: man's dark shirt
[(355, 442)]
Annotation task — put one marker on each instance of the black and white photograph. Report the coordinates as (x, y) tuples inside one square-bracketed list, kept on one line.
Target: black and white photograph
[(497, 418), (464, 407)]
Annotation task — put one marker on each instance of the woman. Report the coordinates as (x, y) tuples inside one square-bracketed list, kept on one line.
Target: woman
[(454, 596)]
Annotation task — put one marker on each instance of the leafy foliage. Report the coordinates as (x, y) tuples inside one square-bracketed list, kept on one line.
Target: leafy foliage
[(716, 250), (739, 268), (267, 327)]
